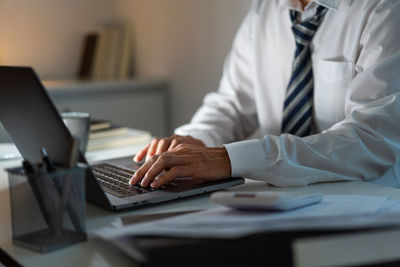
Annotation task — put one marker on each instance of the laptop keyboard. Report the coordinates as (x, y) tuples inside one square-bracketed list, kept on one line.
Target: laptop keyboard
[(115, 180)]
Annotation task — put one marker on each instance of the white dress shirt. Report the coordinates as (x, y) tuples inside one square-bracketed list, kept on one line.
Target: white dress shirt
[(356, 66)]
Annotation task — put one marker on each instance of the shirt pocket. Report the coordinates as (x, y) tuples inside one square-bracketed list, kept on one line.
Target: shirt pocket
[(331, 79)]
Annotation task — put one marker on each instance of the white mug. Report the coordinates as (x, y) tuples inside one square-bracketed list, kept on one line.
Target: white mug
[(78, 123)]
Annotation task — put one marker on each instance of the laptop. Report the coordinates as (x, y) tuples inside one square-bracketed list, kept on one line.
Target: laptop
[(33, 122)]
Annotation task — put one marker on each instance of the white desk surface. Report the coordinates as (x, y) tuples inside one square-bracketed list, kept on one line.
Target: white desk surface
[(95, 253)]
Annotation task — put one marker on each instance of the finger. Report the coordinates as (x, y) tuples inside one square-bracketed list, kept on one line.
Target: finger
[(139, 156), (173, 144), (141, 172), (162, 146), (172, 174), (152, 149), (163, 162)]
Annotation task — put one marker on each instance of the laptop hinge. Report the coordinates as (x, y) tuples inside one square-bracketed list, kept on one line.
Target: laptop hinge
[(94, 193)]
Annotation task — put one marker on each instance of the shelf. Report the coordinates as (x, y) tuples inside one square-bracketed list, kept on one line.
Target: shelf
[(97, 85)]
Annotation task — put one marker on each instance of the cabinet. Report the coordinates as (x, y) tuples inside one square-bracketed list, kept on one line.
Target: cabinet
[(141, 104)]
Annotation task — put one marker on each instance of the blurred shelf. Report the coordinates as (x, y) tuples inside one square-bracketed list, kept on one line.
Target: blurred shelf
[(137, 103), (87, 85)]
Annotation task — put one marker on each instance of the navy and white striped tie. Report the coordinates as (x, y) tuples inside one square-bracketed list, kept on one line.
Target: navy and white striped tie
[(298, 105)]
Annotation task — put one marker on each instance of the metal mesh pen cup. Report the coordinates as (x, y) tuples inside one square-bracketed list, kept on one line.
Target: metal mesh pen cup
[(48, 209)]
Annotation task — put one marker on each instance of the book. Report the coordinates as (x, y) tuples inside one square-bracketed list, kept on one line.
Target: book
[(88, 52), (97, 125), (124, 66), (109, 132), (112, 54), (107, 54), (100, 58), (131, 137)]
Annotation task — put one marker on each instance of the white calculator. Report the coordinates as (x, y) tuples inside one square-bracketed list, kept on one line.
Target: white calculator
[(265, 200)]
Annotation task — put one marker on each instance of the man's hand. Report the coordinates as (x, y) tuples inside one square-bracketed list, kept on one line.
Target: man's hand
[(158, 146), (184, 161)]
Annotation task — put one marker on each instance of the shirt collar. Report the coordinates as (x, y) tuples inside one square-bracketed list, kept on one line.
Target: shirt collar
[(330, 4), (295, 4)]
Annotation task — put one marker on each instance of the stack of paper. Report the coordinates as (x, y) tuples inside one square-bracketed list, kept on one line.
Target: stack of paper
[(117, 137), (334, 212)]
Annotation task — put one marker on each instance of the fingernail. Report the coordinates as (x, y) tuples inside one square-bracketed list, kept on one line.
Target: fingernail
[(154, 184), (143, 183), (133, 177)]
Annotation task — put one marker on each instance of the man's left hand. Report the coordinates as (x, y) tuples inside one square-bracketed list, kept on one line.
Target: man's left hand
[(184, 161)]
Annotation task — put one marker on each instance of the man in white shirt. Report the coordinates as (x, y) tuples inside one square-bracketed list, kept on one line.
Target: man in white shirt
[(355, 130)]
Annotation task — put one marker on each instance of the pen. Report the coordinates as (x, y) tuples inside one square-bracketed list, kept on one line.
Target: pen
[(73, 153), (46, 160), (32, 179)]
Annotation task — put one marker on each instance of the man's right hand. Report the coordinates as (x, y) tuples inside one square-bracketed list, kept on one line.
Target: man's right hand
[(158, 146)]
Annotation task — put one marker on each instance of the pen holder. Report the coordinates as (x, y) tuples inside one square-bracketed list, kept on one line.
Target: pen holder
[(48, 209)]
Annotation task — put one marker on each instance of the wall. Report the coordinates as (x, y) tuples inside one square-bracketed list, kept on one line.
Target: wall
[(185, 41), (48, 34)]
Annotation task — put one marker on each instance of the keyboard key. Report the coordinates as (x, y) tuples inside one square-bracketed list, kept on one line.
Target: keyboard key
[(115, 180)]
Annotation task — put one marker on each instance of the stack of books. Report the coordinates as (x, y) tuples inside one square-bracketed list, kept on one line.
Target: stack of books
[(103, 135), (106, 54)]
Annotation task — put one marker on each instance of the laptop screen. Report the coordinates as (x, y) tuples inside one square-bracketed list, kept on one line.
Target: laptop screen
[(29, 116)]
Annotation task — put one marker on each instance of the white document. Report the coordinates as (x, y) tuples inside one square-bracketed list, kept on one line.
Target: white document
[(8, 151), (334, 212)]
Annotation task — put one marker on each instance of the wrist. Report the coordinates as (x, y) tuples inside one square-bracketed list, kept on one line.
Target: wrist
[(226, 162)]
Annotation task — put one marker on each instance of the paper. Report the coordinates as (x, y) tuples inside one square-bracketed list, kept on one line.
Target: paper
[(119, 152), (8, 151), (335, 211)]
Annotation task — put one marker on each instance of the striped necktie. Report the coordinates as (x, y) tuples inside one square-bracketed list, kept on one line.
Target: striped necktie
[(298, 105)]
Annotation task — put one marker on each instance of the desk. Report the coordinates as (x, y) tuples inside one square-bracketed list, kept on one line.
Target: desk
[(93, 253)]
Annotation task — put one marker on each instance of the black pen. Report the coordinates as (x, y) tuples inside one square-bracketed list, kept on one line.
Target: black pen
[(46, 160), (32, 178), (73, 153)]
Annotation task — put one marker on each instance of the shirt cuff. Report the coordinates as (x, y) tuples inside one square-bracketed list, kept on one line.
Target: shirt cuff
[(246, 157)]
